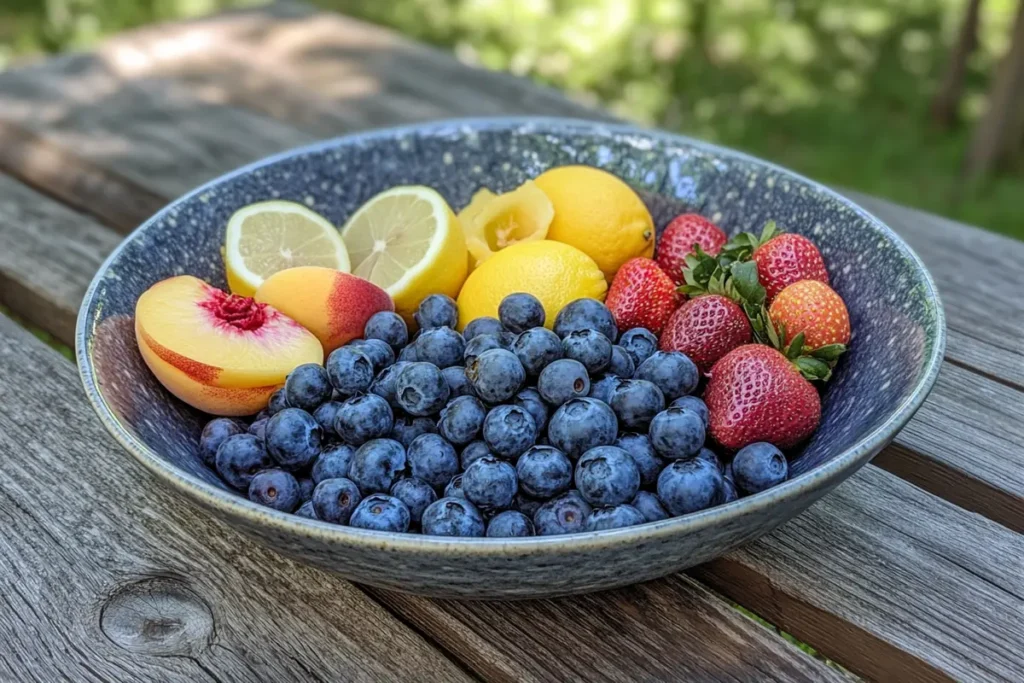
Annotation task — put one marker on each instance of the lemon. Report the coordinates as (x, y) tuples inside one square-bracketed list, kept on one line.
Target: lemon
[(267, 237), (492, 222), (408, 242), (554, 272), (598, 214)]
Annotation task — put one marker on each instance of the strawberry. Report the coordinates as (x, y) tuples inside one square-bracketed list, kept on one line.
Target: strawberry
[(641, 295), (679, 238), (814, 309), (705, 329), (756, 394), (785, 259)]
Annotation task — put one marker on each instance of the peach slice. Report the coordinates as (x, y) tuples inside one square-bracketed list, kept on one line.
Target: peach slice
[(332, 305), (218, 352)]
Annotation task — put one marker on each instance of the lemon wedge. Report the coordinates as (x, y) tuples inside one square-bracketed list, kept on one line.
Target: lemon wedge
[(492, 222), (408, 242), (267, 237)]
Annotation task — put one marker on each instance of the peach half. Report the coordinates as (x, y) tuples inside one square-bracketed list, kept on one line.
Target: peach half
[(221, 353), (332, 305)]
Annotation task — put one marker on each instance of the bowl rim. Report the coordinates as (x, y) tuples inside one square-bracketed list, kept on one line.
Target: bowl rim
[(236, 506)]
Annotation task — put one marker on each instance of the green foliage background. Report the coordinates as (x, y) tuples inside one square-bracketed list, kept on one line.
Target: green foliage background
[(836, 89)]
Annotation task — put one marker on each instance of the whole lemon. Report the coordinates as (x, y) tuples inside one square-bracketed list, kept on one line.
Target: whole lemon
[(598, 214), (554, 272)]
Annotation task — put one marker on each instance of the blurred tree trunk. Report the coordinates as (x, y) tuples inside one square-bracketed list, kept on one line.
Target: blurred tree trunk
[(947, 99), (997, 134)]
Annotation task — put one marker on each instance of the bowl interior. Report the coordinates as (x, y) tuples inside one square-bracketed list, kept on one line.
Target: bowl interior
[(893, 307)]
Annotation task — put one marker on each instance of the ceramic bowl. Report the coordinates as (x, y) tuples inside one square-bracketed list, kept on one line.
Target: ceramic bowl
[(892, 363)]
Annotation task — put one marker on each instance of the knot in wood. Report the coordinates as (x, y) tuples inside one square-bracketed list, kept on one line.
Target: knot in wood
[(157, 616)]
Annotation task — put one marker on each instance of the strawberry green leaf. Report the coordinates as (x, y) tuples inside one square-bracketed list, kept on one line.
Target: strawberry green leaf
[(744, 277), (813, 369), (796, 346), (770, 230), (831, 352)]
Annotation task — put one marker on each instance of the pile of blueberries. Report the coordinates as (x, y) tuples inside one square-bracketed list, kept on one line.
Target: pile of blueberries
[(508, 429)]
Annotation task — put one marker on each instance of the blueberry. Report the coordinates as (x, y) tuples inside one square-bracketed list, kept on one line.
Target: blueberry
[(293, 439), (408, 354), (602, 388), (379, 353), (565, 514), (490, 483), (333, 462), (384, 384), (362, 418), (586, 314), (640, 343), (590, 348), (696, 405), (473, 452), (636, 402), (729, 492), (528, 505), (462, 419), (479, 344), (496, 375), (510, 524), (307, 386), (520, 311), (421, 389), (350, 370), (673, 372), (485, 325), (452, 517), (582, 424), (647, 461), (262, 415), (458, 383), (607, 475), (389, 328), (416, 494), (529, 399), (381, 512), (686, 486), (408, 428), (437, 310), (677, 433), (258, 428), (326, 414), (757, 467), (306, 510), (306, 486), (709, 455), (376, 465), (441, 346), (239, 458), (544, 472), (275, 489), (563, 380), (454, 488), (432, 459), (614, 517), (278, 402), (649, 506), (621, 363), (215, 433), (536, 348), (509, 430)]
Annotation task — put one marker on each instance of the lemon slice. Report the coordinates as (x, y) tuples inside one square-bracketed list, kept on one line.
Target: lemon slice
[(492, 222), (407, 241), (268, 237)]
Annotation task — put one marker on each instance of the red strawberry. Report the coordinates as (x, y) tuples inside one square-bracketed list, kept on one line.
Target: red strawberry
[(756, 394), (815, 309), (677, 242), (641, 295), (705, 329), (785, 259)]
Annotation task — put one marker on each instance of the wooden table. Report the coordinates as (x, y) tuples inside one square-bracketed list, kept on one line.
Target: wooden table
[(912, 570)]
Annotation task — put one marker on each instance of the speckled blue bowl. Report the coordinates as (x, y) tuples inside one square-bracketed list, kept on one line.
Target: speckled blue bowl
[(892, 363)]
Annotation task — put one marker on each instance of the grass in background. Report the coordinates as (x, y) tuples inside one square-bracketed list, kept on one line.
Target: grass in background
[(835, 89)]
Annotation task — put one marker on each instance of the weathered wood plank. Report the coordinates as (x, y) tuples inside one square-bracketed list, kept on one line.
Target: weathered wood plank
[(110, 577)]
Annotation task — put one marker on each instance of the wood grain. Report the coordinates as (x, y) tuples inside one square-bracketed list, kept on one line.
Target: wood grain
[(109, 577)]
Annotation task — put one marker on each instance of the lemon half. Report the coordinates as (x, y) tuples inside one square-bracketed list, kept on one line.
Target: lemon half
[(492, 222), (408, 242), (267, 237)]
